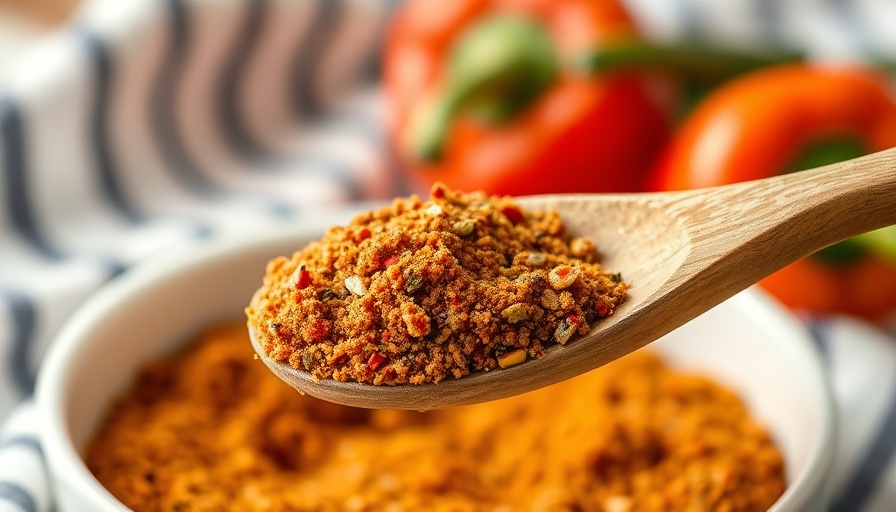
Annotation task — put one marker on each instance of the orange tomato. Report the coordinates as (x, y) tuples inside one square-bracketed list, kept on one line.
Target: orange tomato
[(759, 125)]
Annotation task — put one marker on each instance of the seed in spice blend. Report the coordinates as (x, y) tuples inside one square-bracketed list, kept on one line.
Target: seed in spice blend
[(421, 291)]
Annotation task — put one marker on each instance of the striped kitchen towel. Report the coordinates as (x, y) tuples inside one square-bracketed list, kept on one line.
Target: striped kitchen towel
[(147, 123)]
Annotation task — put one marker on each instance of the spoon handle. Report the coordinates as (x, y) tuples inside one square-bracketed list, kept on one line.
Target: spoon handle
[(746, 231)]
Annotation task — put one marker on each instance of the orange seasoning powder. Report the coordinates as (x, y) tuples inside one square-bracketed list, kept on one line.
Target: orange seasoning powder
[(211, 429), (421, 291)]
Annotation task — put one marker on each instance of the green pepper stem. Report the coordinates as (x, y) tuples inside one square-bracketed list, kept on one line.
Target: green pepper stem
[(692, 58), (495, 69), (841, 254), (881, 242)]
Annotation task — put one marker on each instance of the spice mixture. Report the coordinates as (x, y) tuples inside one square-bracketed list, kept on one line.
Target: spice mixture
[(421, 291), (211, 429)]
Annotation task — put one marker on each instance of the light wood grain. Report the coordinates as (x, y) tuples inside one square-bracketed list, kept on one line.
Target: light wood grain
[(682, 252)]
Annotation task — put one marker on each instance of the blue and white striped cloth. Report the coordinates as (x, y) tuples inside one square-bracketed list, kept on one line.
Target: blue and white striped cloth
[(147, 123)]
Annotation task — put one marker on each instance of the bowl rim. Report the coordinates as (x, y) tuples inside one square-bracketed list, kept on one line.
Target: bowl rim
[(764, 308), (68, 469)]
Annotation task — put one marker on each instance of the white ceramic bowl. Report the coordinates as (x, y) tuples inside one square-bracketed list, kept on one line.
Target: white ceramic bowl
[(748, 344)]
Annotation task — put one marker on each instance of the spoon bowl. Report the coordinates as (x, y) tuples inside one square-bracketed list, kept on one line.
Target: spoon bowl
[(681, 252)]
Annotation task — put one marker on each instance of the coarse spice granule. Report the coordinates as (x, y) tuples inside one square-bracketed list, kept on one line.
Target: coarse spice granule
[(418, 291), (212, 429)]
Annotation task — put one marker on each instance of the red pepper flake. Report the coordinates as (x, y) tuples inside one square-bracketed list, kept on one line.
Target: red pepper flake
[(574, 319), (361, 235), (386, 335), (563, 271), (376, 360), (391, 260), (318, 330), (299, 297), (602, 309), (513, 213), (438, 191), (303, 278)]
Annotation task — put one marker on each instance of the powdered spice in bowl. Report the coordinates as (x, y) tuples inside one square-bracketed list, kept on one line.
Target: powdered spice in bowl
[(422, 291), (211, 429)]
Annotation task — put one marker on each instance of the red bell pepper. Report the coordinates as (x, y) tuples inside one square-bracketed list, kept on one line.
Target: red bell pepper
[(490, 94), (787, 118)]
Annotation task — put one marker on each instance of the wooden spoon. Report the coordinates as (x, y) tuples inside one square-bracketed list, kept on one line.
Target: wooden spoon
[(682, 253)]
